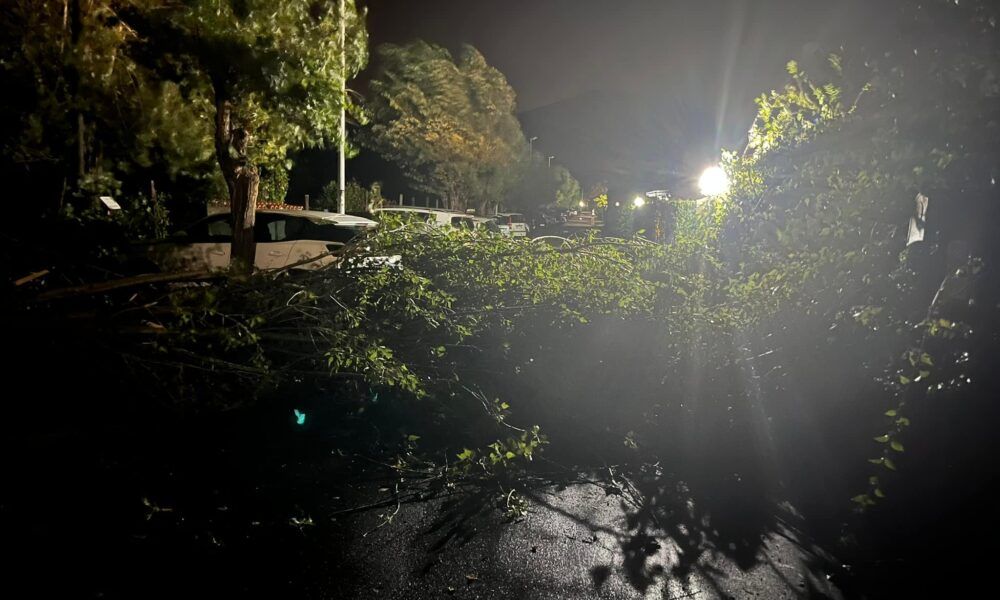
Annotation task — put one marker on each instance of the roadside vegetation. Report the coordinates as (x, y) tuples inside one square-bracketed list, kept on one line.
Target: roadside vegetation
[(784, 327)]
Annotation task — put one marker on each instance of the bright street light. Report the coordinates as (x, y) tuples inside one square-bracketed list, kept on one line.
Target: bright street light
[(639, 202), (713, 182), (583, 204)]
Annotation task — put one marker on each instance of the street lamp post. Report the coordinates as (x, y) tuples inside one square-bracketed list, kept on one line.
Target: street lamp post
[(531, 142), (550, 161), (341, 163)]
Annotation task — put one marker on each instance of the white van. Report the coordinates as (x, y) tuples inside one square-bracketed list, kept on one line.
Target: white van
[(439, 217)]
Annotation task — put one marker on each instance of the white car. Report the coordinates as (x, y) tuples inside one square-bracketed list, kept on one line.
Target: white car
[(439, 217), (512, 224), (284, 238)]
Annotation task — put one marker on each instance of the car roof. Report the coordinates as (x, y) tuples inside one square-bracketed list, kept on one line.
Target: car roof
[(317, 216), (429, 209), (324, 217), (509, 214)]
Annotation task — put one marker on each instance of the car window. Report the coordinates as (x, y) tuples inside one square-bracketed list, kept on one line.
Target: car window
[(270, 228), (217, 228), (328, 232), (463, 222), (277, 231), (517, 218)]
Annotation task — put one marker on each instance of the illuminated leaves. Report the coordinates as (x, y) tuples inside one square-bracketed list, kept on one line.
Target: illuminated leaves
[(448, 121)]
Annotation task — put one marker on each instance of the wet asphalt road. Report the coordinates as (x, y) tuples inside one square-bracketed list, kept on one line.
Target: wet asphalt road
[(576, 543)]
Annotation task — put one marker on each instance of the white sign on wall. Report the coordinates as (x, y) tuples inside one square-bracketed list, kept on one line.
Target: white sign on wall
[(110, 203)]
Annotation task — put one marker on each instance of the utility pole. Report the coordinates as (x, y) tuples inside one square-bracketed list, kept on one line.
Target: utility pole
[(342, 175)]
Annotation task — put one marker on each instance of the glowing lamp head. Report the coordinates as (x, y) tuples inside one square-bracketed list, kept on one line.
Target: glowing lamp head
[(639, 202), (713, 182), (583, 204)]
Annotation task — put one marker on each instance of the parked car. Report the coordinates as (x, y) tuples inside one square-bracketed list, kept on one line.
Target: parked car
[(284, 238), (440, 217), (548, 217), (512, 224)]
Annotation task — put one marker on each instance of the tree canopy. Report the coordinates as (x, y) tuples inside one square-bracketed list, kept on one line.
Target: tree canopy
[(449, 121), (273, 74), (541, 185), (80, 117)]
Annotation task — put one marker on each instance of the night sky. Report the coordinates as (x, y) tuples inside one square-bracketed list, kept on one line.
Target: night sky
[(639, 92)]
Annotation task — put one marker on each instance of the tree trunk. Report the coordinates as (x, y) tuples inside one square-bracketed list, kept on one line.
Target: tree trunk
[(243, 203), (242, 179), (81, 147)]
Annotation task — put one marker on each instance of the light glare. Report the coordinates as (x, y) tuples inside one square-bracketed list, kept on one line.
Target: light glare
[(639, 202), (713, 182)]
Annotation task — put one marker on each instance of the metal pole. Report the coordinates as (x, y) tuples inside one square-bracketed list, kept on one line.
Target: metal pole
[(342, 176), (550, 161)]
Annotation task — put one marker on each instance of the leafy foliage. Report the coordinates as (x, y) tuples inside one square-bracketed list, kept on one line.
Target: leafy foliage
[(80, 117), (397, 326), (827, 184), (448, 121), (541, 185), (274, 75), (357, 198)]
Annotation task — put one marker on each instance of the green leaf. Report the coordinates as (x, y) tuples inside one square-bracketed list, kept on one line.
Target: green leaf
[(888, 463), (882, 439), (466, 454), (896, 446), (891, 413), (904, 379), (879, 493), (863, 500)]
